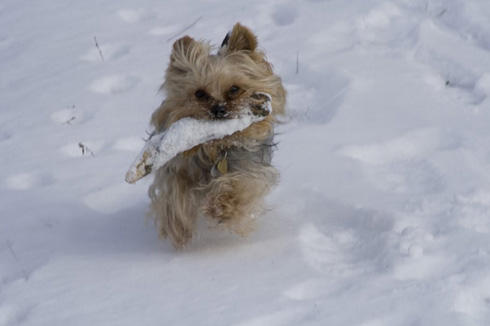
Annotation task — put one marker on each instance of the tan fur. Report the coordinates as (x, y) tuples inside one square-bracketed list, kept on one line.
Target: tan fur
[(190, 185)]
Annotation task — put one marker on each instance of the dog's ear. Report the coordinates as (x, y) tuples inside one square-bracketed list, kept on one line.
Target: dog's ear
[(181, 48), (185, 52), (239, 39)]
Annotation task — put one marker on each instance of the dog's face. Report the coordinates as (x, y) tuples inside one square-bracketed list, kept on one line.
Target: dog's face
[(209, 86)]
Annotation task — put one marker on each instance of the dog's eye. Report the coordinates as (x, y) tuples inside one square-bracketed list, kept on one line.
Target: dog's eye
[(200, 94), (234, 90)]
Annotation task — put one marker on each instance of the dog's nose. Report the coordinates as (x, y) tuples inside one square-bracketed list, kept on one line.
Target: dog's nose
[(219, 111)]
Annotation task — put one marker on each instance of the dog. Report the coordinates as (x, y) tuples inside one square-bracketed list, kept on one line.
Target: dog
[(223, 180)]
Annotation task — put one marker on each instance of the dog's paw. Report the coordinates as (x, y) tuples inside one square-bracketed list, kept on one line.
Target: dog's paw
[(221, 202), (230, 205)]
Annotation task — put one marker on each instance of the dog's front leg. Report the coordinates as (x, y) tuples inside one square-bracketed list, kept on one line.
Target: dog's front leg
[(235, 199)]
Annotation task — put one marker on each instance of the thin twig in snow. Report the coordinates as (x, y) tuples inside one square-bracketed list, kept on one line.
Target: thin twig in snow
[(68, 122), (85, 149), (98, 48), (297, 62), (184, 30), (443, 11), (9, 244)]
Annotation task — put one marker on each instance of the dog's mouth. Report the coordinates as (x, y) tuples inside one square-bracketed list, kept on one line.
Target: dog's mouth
[(257, 103)]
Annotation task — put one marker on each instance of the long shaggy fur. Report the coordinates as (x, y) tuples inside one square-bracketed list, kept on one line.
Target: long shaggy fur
[(192, 183)]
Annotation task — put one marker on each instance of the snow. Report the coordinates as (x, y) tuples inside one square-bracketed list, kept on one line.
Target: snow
[(382, 214), (187, 133), (113, 84)]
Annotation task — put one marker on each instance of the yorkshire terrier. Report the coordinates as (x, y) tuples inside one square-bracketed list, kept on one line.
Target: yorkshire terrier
[(223, 180)]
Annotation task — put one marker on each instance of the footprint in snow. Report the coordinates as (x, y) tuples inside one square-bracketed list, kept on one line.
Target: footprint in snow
[(5, 135), (289, 317), (4, 40), (342, 240), (419, 259), (165, 30), (284, 15), (472, 210), (317, 98), (109, 52), (452, 74), (447, 56), (130, 144), (387, 25), (92, 148), (350, 248), (115, 198), (134, 15), (323, 252), (400, 164), (417, 176), (69, 116), (472, 298), (14, 314), (412, 145), (312, 289), (82, 149), (461, 18), (27, 180), (482, 86), (114, 84)]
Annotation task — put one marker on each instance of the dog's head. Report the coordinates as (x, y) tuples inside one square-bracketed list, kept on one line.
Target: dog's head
[(203, 85)]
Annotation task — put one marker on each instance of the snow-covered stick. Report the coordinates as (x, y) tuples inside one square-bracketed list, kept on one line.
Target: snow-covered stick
[(188, 133)]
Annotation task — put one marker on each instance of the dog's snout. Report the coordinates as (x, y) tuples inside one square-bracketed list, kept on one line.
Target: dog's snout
[(219, 111)]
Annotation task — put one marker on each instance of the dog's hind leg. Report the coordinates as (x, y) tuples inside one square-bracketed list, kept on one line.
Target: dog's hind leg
[(173, 206)]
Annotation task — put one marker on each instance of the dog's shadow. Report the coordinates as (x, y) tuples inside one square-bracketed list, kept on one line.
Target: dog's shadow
[(129, 231), (123, 232)]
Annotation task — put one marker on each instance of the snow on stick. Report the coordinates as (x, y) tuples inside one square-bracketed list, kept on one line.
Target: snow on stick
[(188, 133)]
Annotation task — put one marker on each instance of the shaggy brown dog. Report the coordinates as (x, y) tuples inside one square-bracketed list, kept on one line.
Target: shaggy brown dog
[(225, 180)]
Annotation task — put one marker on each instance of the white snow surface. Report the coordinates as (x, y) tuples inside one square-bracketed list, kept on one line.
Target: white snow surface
[(382, 215), (185, 134)]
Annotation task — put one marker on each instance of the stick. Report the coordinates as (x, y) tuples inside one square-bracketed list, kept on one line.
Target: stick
[(97, 46), (187, 133), (17, 260), (184, 30)]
